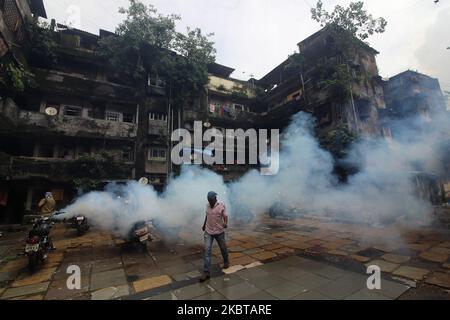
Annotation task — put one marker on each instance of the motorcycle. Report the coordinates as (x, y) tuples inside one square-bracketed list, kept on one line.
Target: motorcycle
[(80, 223), (38, 244), (139, 236)]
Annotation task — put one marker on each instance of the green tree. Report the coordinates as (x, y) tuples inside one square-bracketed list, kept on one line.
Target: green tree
[(89, 171), (43, 44), (148, 43), (353, 19)]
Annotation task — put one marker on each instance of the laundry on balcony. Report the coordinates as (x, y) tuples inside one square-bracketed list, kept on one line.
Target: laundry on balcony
[(212, 108)]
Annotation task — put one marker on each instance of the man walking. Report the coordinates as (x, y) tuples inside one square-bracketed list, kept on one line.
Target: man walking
[(216, 221)]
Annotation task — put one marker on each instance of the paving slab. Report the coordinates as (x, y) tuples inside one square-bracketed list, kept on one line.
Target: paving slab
[(441, 250), (245, 260), (211, 296), (26, 279), (395, 258), (385, 266), (311, 295), (366, 294), (434, 256), (225, 281), (265, 255), (193, 291), (440, 279), (264, 282), (259, 296), (164, 296), (233, 269), (251, 273), (290, 273), (411, 272), (238, 291), (285, 291), (111, 293), (37, 297), (107, 279), (310, 281), (343, 287), (330, 272), (25, 290), (151, 283)]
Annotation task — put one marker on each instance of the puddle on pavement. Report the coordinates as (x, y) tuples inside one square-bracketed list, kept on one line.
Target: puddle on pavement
[(371, 253)]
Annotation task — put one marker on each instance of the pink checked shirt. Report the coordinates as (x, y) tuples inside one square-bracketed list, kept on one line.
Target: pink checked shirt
[(214, 218)]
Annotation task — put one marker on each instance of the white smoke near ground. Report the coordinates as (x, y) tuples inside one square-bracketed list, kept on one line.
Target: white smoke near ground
[(382, 190)]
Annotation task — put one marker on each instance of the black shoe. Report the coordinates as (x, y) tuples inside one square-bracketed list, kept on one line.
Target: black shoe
[(226, 265), (205, 277)]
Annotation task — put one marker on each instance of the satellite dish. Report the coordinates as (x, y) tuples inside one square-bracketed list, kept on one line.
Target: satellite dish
[(207, 124), (51, 111), (143, 181)]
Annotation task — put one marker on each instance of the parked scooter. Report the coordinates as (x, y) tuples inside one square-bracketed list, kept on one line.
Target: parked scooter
[(39, 244), (80, 223), (139, 236)]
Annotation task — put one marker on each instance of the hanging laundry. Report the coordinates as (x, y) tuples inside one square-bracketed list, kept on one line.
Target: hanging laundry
[(222, 111), (212, 108)]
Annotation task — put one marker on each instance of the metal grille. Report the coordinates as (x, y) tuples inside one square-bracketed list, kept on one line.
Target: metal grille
[(13, 19)]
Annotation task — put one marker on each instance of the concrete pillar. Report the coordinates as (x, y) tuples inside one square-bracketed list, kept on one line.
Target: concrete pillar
[(29, 200), (36, 150)]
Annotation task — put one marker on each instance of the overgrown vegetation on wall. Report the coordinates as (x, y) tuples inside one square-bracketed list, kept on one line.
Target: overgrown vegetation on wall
[(14, 78), (89, 171), (147, 44)]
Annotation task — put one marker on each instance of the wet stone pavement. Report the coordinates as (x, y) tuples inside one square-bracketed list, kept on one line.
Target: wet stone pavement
[(271, 259)]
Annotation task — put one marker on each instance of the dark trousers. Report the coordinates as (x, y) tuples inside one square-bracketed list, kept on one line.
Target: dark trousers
[(209, 239)]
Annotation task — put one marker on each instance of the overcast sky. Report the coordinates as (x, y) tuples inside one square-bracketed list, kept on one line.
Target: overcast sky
[(254, 36)]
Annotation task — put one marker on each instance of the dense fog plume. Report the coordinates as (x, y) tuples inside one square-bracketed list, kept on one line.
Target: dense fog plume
[(382, 190)]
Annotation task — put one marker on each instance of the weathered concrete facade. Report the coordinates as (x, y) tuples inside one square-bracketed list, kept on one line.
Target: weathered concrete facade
[(79, 108)]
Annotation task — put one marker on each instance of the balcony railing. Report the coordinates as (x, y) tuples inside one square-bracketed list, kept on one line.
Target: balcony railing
[(75, 126), (49, 168)]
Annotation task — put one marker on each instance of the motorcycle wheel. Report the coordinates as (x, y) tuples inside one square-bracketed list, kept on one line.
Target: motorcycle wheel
[(144, 248), (33, 261)]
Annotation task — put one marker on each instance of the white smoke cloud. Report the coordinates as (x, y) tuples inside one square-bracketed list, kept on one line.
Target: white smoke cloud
[(381, 191)]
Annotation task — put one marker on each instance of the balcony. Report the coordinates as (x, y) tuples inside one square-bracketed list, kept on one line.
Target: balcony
[(74, 84), (36, 122), (58, 170), (237, 118), (157, 128)]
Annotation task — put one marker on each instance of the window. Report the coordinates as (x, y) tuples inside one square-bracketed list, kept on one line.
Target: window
[(158, 154), (363, 107), (239, 107), (72, 111), (158, 116), (66, 152), (45, 151), (156, 82), (127, 154), (128, 117), (112, 116)]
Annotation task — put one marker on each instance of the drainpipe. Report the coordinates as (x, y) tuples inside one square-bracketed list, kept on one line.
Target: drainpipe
[(137, 137), (169, 133)]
